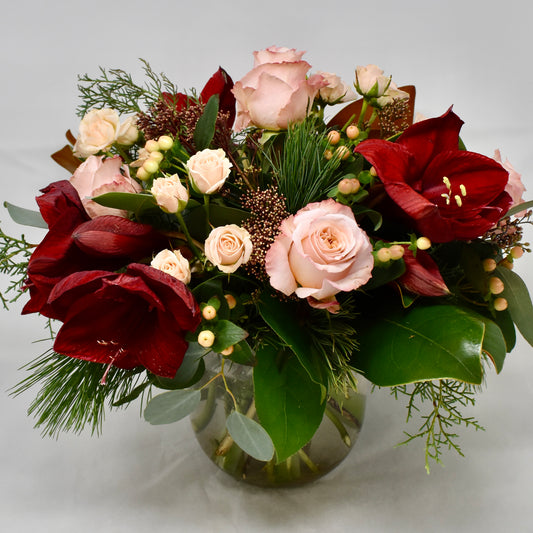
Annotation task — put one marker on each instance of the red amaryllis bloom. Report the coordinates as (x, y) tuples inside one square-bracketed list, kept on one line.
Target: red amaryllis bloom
[(449, 193), (219, 83), (422, 275), (74, 242), (137, 318)]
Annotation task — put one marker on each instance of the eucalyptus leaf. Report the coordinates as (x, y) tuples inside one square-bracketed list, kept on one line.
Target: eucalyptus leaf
[(250, 437), (171, 406), (289, 405), (524, 206), (519, 301), (205, 127), (26, 217), (424, 343)]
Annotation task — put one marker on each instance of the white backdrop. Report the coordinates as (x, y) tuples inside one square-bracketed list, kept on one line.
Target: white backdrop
[(475, 55)]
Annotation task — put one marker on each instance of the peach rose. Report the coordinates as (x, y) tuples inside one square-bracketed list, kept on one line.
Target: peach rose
[(98, 131), (96, 176), (128, 133), (276, 91), (170, 194), (369, 81), (228, 247), (208, 170), (319, 252), (514, 186), (173, 263), (336, 90)]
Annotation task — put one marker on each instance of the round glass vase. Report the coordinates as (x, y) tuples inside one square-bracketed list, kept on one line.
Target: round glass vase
[(331, 443)]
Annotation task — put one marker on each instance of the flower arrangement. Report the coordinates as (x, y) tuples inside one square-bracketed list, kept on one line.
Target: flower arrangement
[(240, 223)]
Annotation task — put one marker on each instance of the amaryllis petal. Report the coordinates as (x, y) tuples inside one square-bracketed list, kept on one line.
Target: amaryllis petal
[(422, 275), (113, 236), (221, 83), (60, 200)]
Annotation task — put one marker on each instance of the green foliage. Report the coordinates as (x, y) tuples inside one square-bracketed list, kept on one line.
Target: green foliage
[(250, 437), (302, 172), (205, 127), (72, 396), (446, 399), (14, 257), (171, 406), (289, 404), (26, 217), (134, 202), (116, 89)]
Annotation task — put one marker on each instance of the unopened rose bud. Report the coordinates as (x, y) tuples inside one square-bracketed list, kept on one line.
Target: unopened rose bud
[(209, 312), (151, 166), (165, 142), (489, 265), (206, 338), (396, 252), (500, 304), (342, 152), (156, 156), (517, 252), (496, 285), (423, 243), (352, 132), (231, 301), (227, 351), (334, 137), (383, 255), (151, 146)]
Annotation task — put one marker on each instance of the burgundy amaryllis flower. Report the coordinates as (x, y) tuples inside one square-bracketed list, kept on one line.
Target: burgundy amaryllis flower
[(137, 318), (219, 83), (75, 242), (422, 275), (448, 193)]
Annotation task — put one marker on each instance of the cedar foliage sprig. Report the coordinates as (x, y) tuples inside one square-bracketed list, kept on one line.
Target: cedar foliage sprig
[(447, 398), (116, 89)]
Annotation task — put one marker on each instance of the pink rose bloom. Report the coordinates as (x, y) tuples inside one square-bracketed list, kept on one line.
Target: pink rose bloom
[(96, 176), (276, 91), (319, 252), (514, 186)]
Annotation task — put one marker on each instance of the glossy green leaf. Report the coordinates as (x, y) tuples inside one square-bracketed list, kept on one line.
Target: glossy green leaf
[(289, 404), (190, 371), (134, 394), (250, 437), (506, 324), (519, 301), (212, 288), (205, 127), (286, 320), (385, 273), (219, 215), (424, 343), (524, 206), (494, 343), (171, 406), (134, 202), (226, 334), (242, 354), (26, 217)]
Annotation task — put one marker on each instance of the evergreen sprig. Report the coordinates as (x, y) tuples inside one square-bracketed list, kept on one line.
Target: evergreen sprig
[(116, 89), (447, 398), (302, 172), (72, 395), (14, 257)]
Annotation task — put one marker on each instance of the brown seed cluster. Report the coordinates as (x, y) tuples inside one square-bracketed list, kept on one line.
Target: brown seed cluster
[(160, 119), (393, 117), (268, 210), (506, 234)]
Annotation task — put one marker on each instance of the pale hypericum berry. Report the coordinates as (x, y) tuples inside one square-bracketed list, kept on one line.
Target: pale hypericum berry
[(489, 265), (349, 186), (396, 252), (496, 285), (231, 301), (334, 137), (352, 132), (142, 174), (209, 312), (206, 338), (500, 304), (165, 142), (151, 146), (506, 264), (342, 152), (328, 154), (373, 172), (383, 255), (151, 166), (517, 252), (227, 351), (156, 156), (423, 243)]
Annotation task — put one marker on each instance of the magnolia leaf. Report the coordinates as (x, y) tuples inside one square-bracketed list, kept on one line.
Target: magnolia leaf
[(26, 217), (425, 343), (205, 127), (519, 301), (250, 437), (506, 325), (494, 344), (66, 159), (171, 406), (289, 404), (285, 318), (385, 273), (219, 215), (135, 202)]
